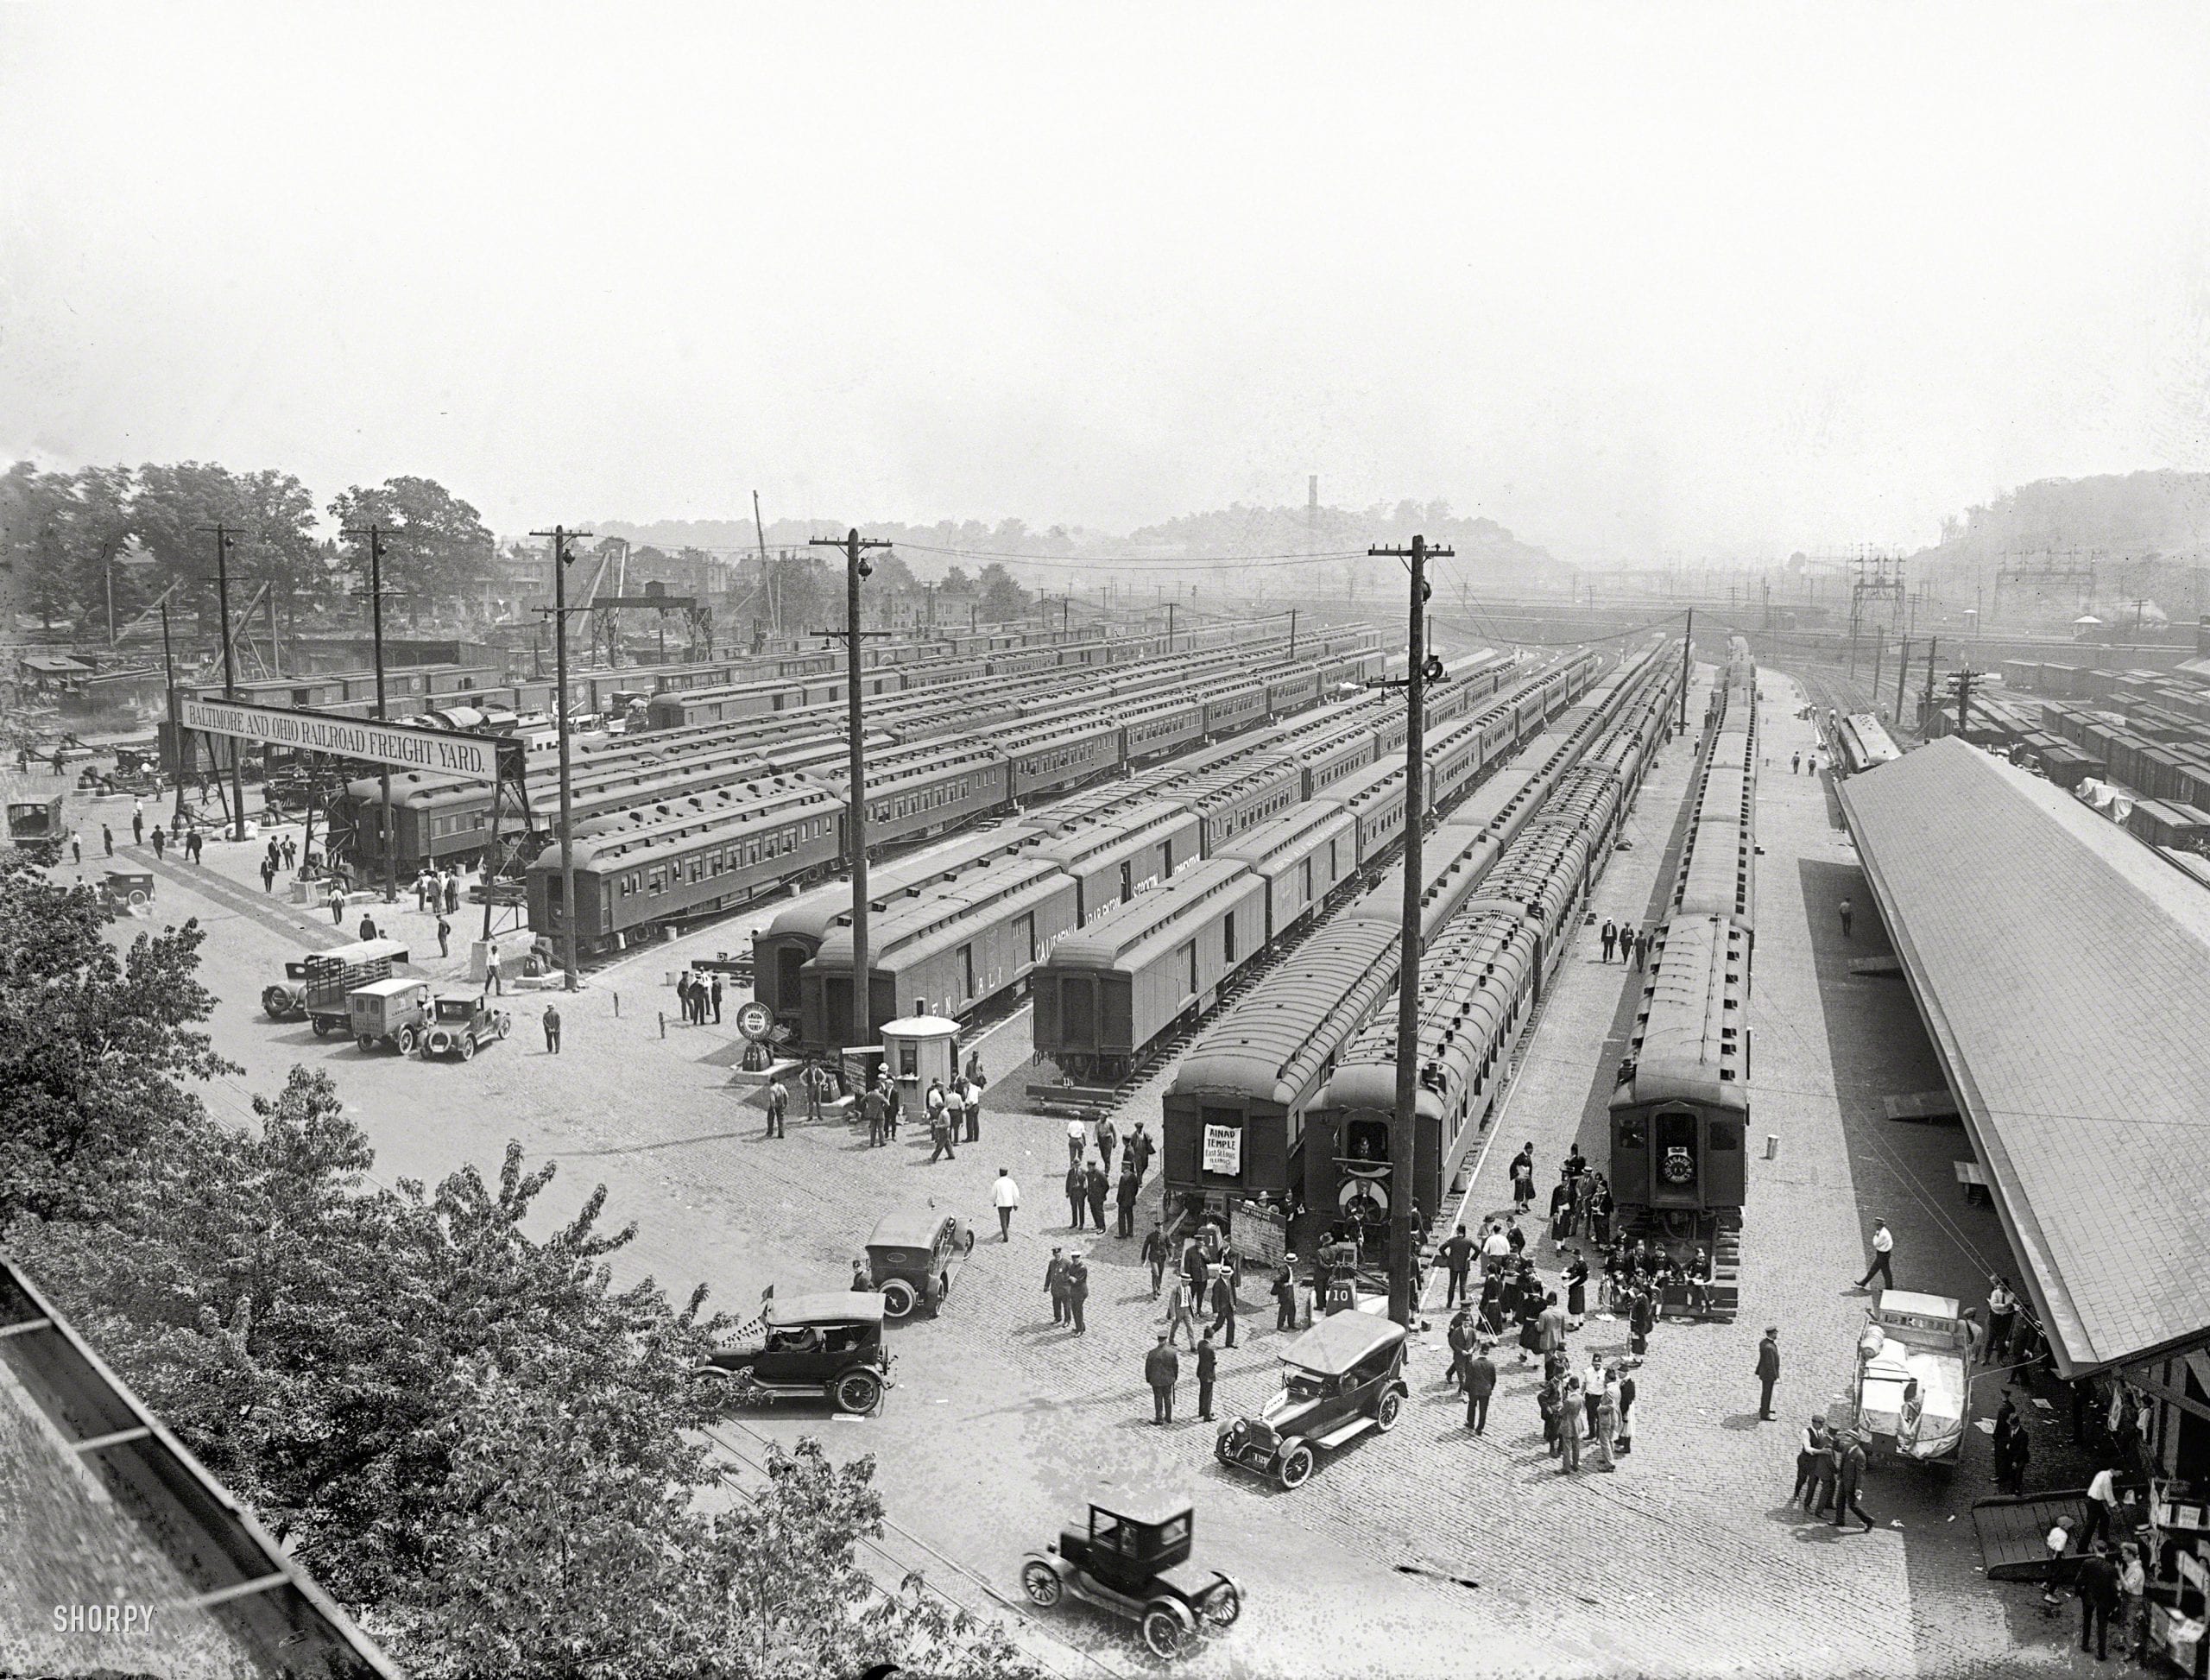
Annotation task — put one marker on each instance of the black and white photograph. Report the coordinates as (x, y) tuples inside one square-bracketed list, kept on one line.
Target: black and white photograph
[(991, 842)]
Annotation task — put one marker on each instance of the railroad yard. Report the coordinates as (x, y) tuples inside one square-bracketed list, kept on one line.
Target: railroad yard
[(1433, 1541)]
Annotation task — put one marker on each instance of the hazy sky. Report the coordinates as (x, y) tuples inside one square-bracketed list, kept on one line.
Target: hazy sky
[(1631, 279)]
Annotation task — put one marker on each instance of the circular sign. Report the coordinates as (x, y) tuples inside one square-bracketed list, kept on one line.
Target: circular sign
[(753, 1020)]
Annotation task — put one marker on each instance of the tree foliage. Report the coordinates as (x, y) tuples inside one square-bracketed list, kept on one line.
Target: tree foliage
[(437, 546), (466, 1431)]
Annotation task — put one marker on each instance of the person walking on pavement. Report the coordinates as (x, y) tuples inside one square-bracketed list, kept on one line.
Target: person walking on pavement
[(955, 1108), (1223, 1303), (492, 980), (2002, 1314), (1154, 1256), (1124, 1201), (1605, 1424), (1094, 1185), (1523, 1177), (452, 894), (194, 844), (1768, 1372), (1055, 1285), (1078, 1195), (876, 1108), (1004, 1195), (1550, 1326), (1460, 1339), (1611, 937), (1884, 1246), (1847, 912), (1207, 1366), (1458, 1257), (1285, 1294), (107, 838), (778, 1108), (1077, 1140), (718, 1000), (137, 822), (2097, 1586), (1569, 1427), (551, 1029), (161, 839), (1625, 1390), (1139, 1148), (1796, 764), (1851, 1452), (1811, 1451), (1077, 1291), (337, 907), (1642, 950), (1481, 1383), (1181, 1315), (940, 1136), (367, 929), (1162, 1369), (2102, 1506), (444, 937), (422, 891), (1107, 1138), (268, 876)]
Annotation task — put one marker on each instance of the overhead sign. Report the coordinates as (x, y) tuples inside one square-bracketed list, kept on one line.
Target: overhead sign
[(1224, 1149), (447, 752)]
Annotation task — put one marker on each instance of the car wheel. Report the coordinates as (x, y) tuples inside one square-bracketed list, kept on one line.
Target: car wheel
[(367, 1040), (898, 1298), (408, 1038), (1221, 1450), (858, 1391), (467, 1047), (1041, 1582), (1295, 1469), (276, 1002), (1166, 1628), (321, 1027), (1386, 1413), (505, 1024), (1224, 1604)]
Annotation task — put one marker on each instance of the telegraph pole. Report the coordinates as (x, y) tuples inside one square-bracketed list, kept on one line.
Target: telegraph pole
[(1402, 1229), (1927, 706), (224, 537), (1902, 671), (375, 534), (855, 549), (561, 561), (176, 735), (1688, 652)]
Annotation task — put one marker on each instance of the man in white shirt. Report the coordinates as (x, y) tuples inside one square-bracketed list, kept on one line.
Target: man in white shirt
[(2102, 1508), (1496, 1248), (1077, 1138), (1007, 1196), (1883, 1250)]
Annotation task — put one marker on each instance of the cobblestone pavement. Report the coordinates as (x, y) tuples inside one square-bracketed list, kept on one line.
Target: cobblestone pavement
[(1423, 1552)]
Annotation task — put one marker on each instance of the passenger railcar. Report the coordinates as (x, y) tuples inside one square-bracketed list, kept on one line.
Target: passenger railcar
[(942, 953), (1238, 797), (1059, 751), (1302, 856), (1108, 994), (1864, 744), (1680, 1108)]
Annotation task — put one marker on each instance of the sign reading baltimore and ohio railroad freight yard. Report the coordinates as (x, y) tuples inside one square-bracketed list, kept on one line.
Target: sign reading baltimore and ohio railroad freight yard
[(475, 757)]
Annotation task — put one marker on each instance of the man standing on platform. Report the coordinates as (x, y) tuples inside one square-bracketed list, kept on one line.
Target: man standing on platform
[(1458, 1257), (1883, 1253), (1162, 1369), (1768, 1372)]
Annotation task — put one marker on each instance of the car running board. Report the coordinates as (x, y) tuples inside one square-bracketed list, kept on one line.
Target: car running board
[(1351, 1431)]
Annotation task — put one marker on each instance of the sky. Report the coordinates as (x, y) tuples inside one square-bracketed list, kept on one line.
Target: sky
[(1642, 281)]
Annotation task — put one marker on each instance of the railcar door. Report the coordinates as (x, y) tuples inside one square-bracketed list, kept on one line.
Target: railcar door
[(1677, 1158)]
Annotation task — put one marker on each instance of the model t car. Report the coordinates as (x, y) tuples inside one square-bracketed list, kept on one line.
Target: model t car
[(910, 1258), (1134, 1561), (810, 1347), (461, 1023), (392, 1012), (1341, 1378)]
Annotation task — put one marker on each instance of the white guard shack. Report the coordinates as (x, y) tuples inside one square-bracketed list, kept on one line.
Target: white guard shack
[(919, 1048)]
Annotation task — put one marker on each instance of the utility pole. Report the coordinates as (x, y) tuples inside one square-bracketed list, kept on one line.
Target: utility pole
[(561, 561), (1927, 706), (176, 735), (375, 534), (1879, 647), (1292, 633), (1403, 1231), (1964, 702), (1170, 626), (224, 537), (1688, 651), (1902, 671), (856, 567)]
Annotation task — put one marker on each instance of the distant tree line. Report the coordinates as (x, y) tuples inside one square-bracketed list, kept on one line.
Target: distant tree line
[(476, 1441), (80, 539)]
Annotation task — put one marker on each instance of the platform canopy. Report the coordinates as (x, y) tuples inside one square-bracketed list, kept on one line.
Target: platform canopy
[(2062, 968)]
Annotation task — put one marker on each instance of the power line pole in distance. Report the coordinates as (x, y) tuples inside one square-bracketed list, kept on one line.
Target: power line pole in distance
[(561, 561), (1403, 1231), (375, 534), (855, 549), (224, 538)]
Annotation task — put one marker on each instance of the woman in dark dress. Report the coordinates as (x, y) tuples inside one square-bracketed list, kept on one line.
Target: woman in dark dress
[(1562, 1210), (1492, 1313), (1600, 1211), (1576, 1291)]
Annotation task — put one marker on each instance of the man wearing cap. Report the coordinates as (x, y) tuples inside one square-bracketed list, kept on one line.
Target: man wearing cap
[(1768, 1371), (1883, 1252)]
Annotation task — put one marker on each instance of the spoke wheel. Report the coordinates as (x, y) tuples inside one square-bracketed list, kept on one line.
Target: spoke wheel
[(1041, 1582), (1296, 1468), (858, 1391), (1386, 1414), (1225, 1605), (1165, 1629)]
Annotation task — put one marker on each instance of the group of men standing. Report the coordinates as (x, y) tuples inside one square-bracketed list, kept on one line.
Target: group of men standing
[(700, 999), (1089, 1177)]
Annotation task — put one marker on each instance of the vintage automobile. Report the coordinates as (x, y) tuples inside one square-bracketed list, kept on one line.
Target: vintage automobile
[(1911, 1381), (38, 827), (1134, 1561), (127, 890), (461, 1023), (394, 1012), (1341, 1378), (912, 1256), (317, 985), (809, 1347)]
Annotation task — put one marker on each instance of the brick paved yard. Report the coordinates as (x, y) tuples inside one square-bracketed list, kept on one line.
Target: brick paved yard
[(1684, 1562)]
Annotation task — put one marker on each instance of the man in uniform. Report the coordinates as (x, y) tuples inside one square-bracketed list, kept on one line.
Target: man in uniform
[(1077, 1291), (1055, 1285), (1078, 1195), (552, 1030), (1155, 1256), (1458, 1257), (1162, 1369), (1207, 1365)]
